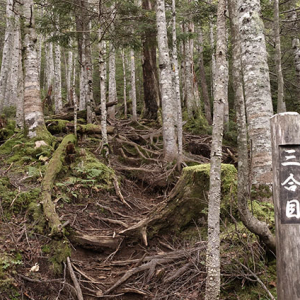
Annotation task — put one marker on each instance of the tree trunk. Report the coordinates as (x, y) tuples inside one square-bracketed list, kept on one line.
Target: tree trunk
[(257, 89), (213, 281), (14, 80), (213, 54), (6, 56), (177, 84), (112, 85), (168, 103), (18, 89), (102, 73), (150, 73), (49, 74), (57, 79), (243, 186), (33, 111), (204, 88), (192, 102), (281, 107), (124, 83), (69, 77), (133, 86)]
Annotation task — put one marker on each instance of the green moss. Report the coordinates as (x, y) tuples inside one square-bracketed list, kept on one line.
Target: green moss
[(57, 126), (94, 169), (9, 145), (21, 150), (264, 211), (9, 112), (197, 124), (60, 250), (35, 213), (188, 201)]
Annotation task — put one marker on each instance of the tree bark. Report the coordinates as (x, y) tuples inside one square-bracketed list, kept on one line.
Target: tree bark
[(6, 56), (257, 89), (281, 107), (33, 111), (168, 103), (124, 83), (133, 85), (202, 77), (213, 280), (176, 83), (243, 186), (150, 72), (57, 79), (112, 85)]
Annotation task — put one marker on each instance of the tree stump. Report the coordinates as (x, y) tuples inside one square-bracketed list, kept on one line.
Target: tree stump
[(187, 202)]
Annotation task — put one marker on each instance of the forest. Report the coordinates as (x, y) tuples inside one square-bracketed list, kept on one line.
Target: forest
[(136, 144)]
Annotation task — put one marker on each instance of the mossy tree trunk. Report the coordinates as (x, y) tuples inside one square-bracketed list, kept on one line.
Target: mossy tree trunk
[(54, 167)]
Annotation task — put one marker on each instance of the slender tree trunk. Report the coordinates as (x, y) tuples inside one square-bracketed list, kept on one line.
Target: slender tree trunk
[(204, 88), (257, 89), (6, 56), (177, 84), (69, 70), (213, 54), (102, 73), (150, 72), (112, 85), (168, 105), (281, 107), (213, 246), (191, 101), (296, 49), (20, 87), (33, 112), (124, 83), (243, 186), (133, 86), (49, 67), (57, 79), (16, 64)]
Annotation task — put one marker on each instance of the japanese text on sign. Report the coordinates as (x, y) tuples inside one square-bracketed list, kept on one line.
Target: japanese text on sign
[(289, 160)]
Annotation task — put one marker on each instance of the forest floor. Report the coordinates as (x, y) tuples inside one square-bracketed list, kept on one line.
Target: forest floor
[(108, 258)]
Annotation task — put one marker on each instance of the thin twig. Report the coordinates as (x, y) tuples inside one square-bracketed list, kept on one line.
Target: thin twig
[(74, 279)]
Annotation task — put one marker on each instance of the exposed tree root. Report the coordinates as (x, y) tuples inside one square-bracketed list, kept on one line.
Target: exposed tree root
[(152, 263), (96, 243), (53, 168)]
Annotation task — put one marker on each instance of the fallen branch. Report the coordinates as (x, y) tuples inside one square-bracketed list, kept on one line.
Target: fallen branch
[(257, 279), (74, 279)]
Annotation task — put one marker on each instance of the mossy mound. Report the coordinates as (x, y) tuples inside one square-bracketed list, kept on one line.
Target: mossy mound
[(23, 150), (84, 178)]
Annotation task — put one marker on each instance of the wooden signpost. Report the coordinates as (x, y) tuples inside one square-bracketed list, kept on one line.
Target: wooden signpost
[(285, 132)]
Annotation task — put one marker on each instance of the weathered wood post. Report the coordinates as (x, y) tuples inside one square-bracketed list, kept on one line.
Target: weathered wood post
[(285, 132)]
